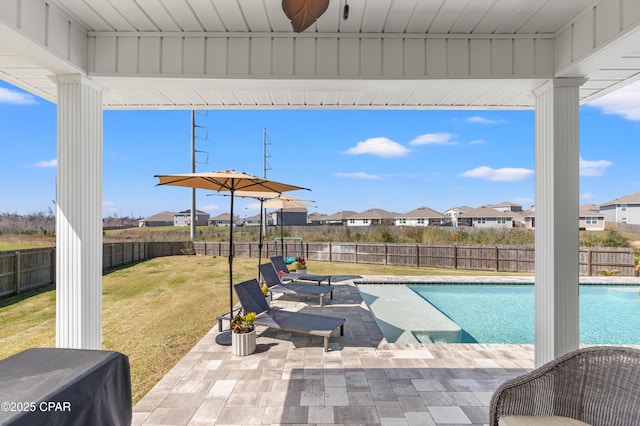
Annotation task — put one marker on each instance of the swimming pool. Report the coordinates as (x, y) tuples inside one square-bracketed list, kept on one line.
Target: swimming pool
[(505, 313)]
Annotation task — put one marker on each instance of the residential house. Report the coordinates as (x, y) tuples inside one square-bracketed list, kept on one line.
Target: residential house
[(591, 219), (625, 209), (422, 216), (224, 219), (486, 217), (452, 214), (316, 218), (160, 219), (339, 218), (183, 218), (372, 217), (506, 206), (290, 216), (530, 218), (255, 220)]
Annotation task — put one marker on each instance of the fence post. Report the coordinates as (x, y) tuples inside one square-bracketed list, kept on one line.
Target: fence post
[(589, 261), (356, 249), (418, 255), (497, 259), (16, 269), (330, 252), (386, 253), (455, 256)]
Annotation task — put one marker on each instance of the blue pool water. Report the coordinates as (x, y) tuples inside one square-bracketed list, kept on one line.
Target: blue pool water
[(505, 314)]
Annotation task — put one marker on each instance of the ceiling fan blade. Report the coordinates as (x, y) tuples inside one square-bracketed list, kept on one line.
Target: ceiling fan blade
[(303, 13)]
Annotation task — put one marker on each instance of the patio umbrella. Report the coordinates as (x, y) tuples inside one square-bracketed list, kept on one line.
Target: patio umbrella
[(268, 197), (227, 181), (285, 203)]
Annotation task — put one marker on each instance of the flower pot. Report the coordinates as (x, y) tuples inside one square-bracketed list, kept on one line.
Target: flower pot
[(243, 344)]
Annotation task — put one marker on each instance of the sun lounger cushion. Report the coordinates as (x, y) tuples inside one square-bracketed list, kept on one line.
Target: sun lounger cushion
[(252, 300), (279, 265), (270, 277)]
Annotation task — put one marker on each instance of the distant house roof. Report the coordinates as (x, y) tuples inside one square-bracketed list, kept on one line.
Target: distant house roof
[(317, 216), (341, 215), (254, 218), (422, 212), (224, 217), (505, 204), (590, 210), (626, 199), (374, 214), (486, 212), (160, 217), (459, 209), (188, 211)]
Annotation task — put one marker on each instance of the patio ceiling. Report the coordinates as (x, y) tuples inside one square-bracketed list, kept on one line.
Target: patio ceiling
[(389, 54)]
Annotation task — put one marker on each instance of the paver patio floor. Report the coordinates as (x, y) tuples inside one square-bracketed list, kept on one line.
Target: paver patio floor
[(363, 379)]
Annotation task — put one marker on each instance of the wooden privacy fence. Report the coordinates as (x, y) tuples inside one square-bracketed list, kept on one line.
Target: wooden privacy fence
[(472, 257), (32, 268)]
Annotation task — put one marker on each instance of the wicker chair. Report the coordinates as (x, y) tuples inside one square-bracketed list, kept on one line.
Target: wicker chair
[(597, 385)]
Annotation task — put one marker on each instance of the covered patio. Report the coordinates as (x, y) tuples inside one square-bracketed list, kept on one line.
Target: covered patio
[(363, 379), (547, 55)]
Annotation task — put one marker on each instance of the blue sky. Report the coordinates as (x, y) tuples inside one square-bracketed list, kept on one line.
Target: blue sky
[(351, 160)]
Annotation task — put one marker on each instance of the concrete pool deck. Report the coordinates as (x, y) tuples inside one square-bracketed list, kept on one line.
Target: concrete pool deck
[(391, 303), (363, 379)]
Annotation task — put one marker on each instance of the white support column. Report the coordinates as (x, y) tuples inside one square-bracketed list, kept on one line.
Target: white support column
[(556, 207), (79, 214)]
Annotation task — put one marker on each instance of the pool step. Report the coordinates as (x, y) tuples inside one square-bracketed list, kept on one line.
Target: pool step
[(405, 317)]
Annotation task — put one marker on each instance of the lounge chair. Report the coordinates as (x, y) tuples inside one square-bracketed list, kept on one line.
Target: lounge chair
[(252, 300), (270, 277), (280, 265), (595, 386)]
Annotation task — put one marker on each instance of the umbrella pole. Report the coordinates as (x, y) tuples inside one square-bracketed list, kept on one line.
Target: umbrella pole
[(282, 232), (231, 259), (224, 338), (260, 237)]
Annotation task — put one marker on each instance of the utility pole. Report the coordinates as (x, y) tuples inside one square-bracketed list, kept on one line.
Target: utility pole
[(265, 167), (204, 135), (193, 170)]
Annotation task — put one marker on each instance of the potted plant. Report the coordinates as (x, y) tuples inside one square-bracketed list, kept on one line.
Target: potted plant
[(265, 292), (243, 334), (301, 265)]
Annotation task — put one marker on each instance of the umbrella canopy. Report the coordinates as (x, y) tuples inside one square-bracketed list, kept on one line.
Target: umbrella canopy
[(228, 181), (276, 199), (284, 203)]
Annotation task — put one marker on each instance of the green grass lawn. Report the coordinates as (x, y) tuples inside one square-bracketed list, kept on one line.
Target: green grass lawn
[(156, 311)]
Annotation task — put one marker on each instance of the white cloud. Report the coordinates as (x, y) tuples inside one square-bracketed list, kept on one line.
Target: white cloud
[(482, 120), (209, 208), (623, 101), (45, 163), (14, 97), (109, 208), (253, 206), (477, 142), (382, 147), (434, 139), (358, 175), (593, 168), (586, 196), (506, 174)]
